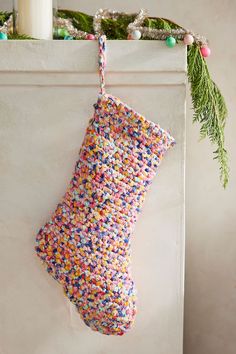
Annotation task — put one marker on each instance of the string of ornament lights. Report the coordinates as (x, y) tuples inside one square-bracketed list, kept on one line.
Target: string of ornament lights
[(136, 30), (64, 28)]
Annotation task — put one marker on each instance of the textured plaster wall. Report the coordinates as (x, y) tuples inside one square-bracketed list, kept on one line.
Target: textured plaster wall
[(210, 298)]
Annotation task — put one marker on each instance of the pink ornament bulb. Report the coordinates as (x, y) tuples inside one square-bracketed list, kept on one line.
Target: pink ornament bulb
[(188, 39), (90, 37), (205, 51)]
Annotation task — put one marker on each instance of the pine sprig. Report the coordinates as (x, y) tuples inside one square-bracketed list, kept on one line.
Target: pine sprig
[(17, 36), (4, 16), (80, 20), (117, 28), (209, 108)]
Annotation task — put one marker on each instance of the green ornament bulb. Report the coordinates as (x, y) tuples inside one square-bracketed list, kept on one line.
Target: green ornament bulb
[(62, 32), (170, 42)]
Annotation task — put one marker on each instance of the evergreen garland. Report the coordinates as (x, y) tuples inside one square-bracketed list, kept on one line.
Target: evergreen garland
[(209, 107), (4, 16), (208, 103)]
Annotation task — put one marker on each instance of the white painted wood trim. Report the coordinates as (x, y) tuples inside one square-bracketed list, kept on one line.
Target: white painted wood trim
[(79, 55), (146, 62), (91, 79)]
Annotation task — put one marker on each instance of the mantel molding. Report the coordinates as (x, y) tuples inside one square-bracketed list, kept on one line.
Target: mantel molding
[(146, 63)]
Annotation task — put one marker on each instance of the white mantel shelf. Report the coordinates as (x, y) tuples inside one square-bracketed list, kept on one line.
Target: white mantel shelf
[(146, 63), (47, 91)]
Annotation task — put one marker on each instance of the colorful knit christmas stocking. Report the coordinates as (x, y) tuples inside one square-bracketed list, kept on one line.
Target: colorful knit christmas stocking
[(86, 243)]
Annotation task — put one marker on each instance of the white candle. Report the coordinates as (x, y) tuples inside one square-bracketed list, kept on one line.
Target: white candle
[(35, 18)]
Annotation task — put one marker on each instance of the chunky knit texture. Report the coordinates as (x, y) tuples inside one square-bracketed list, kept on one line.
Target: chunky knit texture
[(86, 243)]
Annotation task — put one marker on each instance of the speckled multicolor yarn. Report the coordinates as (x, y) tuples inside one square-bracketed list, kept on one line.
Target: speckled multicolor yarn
[(86, 243)]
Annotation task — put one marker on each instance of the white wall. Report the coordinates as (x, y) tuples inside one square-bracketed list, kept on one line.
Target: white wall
[(210, 300)]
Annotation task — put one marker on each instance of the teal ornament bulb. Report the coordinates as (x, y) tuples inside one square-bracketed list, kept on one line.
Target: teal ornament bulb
[(170, 42), (3, 36), (68, 38)]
